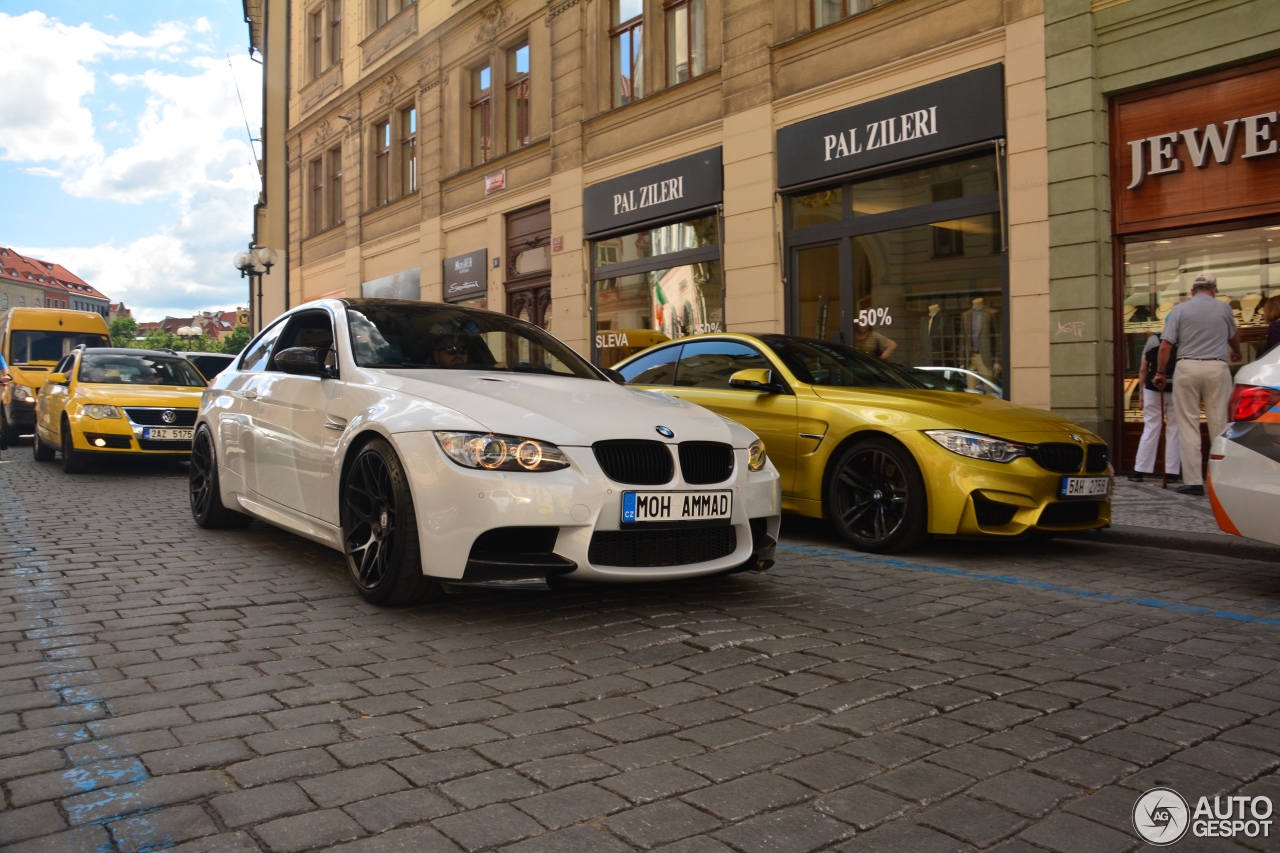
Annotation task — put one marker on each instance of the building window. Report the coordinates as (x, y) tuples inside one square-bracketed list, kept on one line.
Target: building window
[(829, 11), (4, 301), (408, 150), (481, 116), (385, 10), (686, 40), (315, 43), (315, 174), (335, 31), (626, 36), (884, 264), (22, 302), (381, 163), (518, 97), (334, 202)]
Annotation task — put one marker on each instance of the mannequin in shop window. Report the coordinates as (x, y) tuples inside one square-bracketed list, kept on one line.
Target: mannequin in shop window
[(979, 345), (936, 330)]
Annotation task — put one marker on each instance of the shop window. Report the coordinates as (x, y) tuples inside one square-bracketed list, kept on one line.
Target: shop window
[(686, 40), (657, 284), (408, 150), (381, 163), (315, 175), (518, 134), (829, 11), (334, 188), (924, 289), (626, 44), (709, 364), (481, 115), (1158, 274)]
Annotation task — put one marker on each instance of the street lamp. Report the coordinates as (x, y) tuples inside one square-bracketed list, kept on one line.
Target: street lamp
[(189, 332), (255, 262)]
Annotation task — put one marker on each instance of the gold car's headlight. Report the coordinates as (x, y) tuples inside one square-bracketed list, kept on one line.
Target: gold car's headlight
[(23, 394), (490, 452), (977, 446), (756, 456), (98, 412)]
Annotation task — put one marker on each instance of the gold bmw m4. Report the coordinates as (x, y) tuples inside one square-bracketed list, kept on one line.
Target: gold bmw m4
[(887, 458)]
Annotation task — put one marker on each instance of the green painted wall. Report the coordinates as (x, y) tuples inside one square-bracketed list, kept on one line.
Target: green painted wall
[(1091, 56)]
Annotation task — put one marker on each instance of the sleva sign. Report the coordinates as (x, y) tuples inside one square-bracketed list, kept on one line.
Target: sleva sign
[(958, 111), (662, 191)]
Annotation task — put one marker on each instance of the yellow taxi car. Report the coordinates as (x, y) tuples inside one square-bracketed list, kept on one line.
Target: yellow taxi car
[(116, 401), (887, 459)]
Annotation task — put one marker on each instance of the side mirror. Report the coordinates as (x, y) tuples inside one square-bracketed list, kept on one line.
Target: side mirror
[(756, 379), (57, 379), (614, 375), (301, 361)]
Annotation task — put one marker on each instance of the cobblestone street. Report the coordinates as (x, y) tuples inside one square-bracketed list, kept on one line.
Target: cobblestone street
[(162, 686)]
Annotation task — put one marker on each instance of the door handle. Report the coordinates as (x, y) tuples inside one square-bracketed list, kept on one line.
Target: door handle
[(250, 394)]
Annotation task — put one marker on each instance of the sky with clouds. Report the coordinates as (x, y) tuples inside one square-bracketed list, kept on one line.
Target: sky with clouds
[(124, 154)]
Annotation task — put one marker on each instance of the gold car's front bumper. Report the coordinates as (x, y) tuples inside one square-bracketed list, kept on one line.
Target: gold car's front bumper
[(972, 497), (117, 436)]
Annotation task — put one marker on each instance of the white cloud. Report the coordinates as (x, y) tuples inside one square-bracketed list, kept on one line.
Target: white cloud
[(186, 148)]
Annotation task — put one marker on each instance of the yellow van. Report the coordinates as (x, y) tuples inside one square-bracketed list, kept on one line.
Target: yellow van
[(33, 341)]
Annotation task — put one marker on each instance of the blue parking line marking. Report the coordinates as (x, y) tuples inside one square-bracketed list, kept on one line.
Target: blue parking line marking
[(1040, 585)]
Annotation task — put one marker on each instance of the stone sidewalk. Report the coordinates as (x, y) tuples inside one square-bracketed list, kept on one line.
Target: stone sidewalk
[(164, 687)]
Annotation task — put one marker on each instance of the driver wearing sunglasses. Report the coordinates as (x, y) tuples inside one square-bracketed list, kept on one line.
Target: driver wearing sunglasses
[(450, 352)]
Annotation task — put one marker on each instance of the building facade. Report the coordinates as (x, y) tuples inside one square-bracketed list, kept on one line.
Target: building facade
[(1163, 164), (30, 282), (618, 171)]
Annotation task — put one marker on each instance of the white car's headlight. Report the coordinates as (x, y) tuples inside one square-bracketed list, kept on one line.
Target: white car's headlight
[(490, 452), (98, 412), (756, 456), (23, 394), (977, 446)]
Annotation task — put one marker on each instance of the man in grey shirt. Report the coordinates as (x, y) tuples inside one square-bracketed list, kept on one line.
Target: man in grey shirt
[(1203, 329)]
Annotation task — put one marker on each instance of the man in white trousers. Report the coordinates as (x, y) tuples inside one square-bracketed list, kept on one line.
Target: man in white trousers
[(1157, 414), (1203, 329)]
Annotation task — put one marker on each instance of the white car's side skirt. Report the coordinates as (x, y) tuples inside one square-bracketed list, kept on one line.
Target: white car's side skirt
[(311, 528)]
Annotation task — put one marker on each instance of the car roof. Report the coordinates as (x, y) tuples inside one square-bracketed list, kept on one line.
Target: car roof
[(205, 355)]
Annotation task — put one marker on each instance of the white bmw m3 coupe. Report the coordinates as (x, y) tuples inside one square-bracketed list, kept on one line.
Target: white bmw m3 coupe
[(435, 444)]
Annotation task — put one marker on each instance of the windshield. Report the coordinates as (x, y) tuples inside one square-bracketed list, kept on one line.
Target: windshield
[(27, 345), (124, 369), (415, 335), (825, 363)]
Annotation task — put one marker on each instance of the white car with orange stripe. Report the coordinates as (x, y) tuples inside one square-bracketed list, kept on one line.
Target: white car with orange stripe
[(1244, 462)]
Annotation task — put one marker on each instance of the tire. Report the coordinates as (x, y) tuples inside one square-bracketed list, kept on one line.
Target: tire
[(42, 451), (202, 487), (380, 530), (73, 462), (876, 497)]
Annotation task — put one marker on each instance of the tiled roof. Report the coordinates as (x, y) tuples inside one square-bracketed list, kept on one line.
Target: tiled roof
[(39, 273)]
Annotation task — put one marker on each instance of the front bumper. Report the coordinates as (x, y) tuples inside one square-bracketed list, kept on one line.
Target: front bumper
[(971, 497), (455, 505), (119, 436), (20, 416)]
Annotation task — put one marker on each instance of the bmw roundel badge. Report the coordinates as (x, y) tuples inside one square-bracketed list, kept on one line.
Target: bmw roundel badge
[(665, 432)]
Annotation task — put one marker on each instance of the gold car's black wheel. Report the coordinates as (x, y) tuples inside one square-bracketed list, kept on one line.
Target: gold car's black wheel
[(876, 497), (202, 485), (380, 530)]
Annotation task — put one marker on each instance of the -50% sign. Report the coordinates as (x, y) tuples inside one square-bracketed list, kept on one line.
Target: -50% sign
[(874, 317)]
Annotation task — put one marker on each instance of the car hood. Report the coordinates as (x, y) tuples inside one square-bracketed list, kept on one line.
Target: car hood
[(141, 395), (972, 412), (563, 410)]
